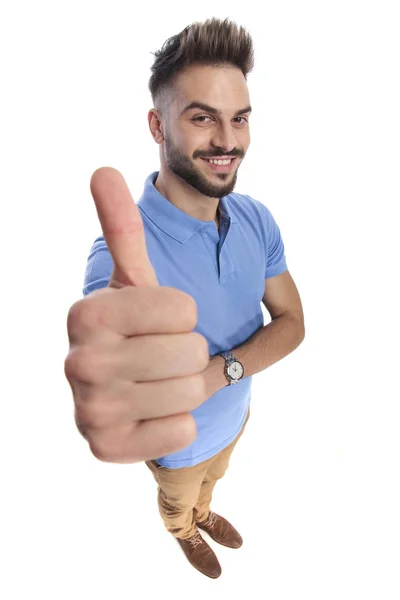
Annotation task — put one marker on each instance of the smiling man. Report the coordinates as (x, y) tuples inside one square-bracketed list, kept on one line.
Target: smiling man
[(222, 248), (203, 126)]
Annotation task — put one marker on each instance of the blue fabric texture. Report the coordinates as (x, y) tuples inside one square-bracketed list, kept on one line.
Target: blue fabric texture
[(225, 272)]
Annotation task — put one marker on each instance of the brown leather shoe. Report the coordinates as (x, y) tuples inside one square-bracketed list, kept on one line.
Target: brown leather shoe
[(221, 531), (200, 555)]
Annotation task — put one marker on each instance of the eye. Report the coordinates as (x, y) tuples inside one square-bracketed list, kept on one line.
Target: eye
[(244, 120), (200, 119)]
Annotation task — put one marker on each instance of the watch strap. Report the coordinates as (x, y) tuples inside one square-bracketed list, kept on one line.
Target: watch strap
[(228, 357)]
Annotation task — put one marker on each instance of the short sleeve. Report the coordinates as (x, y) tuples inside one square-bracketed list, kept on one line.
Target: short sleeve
[(275, 249), (99, 267)]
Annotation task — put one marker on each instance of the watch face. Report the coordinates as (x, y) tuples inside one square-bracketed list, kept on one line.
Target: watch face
[(235, 370)]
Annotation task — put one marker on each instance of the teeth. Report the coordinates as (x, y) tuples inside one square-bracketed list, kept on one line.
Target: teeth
[(220, 162)]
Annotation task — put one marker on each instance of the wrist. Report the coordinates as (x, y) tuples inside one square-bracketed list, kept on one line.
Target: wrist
[(214, 375)]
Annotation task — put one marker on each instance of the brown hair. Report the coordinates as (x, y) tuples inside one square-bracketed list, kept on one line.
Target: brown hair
[(214, 42)]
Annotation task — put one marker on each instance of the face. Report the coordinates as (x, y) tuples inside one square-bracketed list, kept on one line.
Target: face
[(208, 118)]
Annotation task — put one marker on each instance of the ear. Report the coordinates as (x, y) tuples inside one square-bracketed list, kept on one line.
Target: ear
[(156, 126)]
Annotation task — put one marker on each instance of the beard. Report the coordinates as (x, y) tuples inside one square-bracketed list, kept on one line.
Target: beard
[(182, 166)]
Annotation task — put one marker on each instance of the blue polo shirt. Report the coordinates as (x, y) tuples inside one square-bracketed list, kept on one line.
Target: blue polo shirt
[(225, 273)]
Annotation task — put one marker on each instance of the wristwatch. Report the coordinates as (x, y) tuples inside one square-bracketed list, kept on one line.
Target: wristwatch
[(234, 369)]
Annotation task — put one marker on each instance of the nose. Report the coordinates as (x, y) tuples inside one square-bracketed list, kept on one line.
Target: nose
[(224, 137)]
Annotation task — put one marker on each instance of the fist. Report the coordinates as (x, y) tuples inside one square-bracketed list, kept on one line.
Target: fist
[(135, 365)]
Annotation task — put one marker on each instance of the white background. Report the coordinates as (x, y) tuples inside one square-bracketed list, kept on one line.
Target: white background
[(313, 486)]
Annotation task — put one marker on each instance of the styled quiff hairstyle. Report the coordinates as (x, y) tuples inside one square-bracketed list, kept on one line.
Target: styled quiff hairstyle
[(214, 42)]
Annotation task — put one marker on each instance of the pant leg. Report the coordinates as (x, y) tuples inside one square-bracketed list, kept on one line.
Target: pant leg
[(216, 470), (178, 492)]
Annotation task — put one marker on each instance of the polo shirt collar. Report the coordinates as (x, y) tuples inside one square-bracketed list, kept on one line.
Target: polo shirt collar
[(171, 219)]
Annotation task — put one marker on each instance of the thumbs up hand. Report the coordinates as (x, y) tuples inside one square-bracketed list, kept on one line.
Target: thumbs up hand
[(134, 364)]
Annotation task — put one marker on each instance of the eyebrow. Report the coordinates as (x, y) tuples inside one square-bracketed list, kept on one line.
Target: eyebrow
[(213, 110)]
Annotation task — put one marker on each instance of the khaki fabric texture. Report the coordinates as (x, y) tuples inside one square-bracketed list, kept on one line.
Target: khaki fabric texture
[(184, 494)]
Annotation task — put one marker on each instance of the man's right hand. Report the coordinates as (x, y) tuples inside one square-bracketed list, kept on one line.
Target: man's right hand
[(134, 364)]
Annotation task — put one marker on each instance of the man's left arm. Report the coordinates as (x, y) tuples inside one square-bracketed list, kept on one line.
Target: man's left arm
[(270, 343)]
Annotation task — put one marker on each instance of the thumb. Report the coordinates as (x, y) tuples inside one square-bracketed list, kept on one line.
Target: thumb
[(123, 229)]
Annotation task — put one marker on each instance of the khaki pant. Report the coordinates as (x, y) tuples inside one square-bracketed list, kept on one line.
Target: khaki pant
[(184, 494)]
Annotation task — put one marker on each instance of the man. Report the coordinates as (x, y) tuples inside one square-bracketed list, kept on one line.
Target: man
[(221, 248)]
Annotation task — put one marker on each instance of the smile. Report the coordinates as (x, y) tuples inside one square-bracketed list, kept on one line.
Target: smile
[(219, 161), (221, 165)]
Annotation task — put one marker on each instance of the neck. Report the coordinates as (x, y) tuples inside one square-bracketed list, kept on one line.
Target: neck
[(186, 198)]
